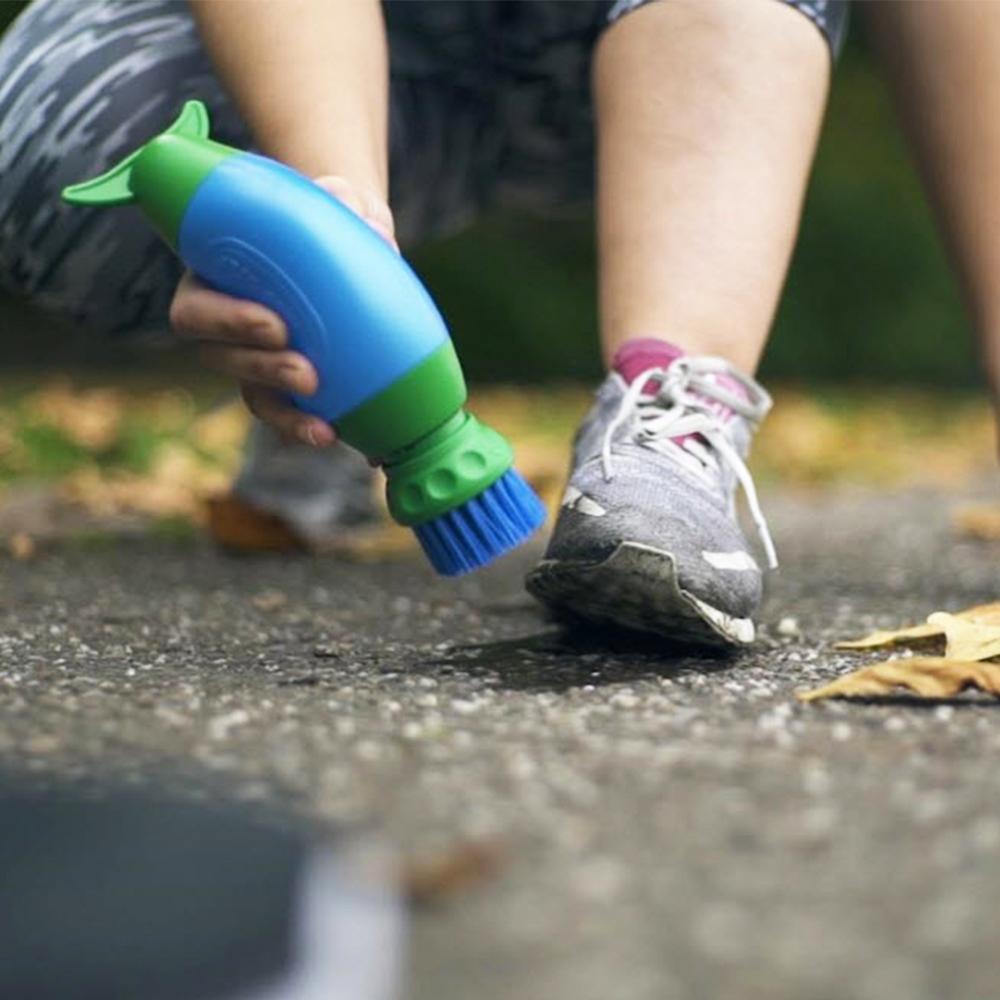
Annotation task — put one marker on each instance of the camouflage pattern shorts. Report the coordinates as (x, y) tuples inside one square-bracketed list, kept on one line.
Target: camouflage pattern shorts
[(489, 105)]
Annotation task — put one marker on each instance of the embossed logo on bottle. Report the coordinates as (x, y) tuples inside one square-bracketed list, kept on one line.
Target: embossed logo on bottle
[(259, 278)]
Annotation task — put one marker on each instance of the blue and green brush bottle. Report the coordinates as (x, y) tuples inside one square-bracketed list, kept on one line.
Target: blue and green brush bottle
[(389, 378)]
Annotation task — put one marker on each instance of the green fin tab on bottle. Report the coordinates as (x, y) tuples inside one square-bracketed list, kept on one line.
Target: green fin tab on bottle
[(161, 175), (112, 187)]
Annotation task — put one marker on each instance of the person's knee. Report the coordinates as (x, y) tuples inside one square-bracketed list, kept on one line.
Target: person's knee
[(70, 113), (736, 20)]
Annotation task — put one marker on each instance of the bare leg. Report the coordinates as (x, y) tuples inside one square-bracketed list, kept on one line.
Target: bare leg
[(708, 112), (943, 61)]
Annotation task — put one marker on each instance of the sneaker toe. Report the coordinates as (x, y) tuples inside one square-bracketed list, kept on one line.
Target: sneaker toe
[(672, 516)]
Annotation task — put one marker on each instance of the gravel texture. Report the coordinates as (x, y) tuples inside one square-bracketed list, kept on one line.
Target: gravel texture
[(677, 827)]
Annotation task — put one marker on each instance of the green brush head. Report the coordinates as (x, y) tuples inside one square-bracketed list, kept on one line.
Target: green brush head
[(443, 470), (435, 454)]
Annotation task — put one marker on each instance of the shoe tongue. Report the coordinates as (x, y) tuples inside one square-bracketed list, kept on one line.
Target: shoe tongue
[(642, 353)]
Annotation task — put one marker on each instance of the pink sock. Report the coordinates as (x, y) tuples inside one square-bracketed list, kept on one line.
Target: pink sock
[(642, 353)]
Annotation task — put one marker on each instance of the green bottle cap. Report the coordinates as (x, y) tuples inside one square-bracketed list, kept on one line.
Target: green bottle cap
[(443, 470), (160, 176)]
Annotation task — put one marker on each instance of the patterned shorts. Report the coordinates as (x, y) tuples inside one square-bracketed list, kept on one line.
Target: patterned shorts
[(489, 105)]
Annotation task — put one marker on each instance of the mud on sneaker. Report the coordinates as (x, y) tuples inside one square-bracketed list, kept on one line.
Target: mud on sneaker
[(648, 536)]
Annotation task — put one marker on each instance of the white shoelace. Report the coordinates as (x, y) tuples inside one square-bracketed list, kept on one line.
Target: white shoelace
[(681, 404)]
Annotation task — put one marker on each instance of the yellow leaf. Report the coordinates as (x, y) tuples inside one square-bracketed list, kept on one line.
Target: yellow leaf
[(926, 676), (465, 865), (911, 635), (222, 429), (881, 638), (88, 417), (21, 545), (988, 614), (235, 524), (979, 521), (968, 639)]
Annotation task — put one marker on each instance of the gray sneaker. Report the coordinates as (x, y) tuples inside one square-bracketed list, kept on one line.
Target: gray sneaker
[(648, 536), (320, 492)]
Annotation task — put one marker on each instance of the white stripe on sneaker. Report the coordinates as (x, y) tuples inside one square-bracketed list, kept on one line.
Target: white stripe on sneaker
[(737, 629), (737, 560), (580, 502)]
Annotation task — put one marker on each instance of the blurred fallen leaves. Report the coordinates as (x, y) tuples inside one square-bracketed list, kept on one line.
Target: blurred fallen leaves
[(980, 521), (174, 486), (90, 418), (432, 878), (926, 676), (21, 545), (125, 453), (269, 600), (968, 637), (104, 457), (237, 525), (884, 438)]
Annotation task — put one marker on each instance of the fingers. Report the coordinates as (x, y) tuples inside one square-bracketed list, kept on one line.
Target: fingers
[(366, 204), (267, 405), (345, 191), (248, 341), (200, 313), (284, 370)]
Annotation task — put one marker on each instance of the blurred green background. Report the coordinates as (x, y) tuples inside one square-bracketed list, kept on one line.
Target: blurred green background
[(869, 295)]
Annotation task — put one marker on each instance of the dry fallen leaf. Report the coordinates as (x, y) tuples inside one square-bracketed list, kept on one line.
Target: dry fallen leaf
[(89, 417), (429, 879), (978, 521), (221, 430), (926, 676), (881, 638), (173, 487), (811, 441), (968, 639), (21, 545), (269, 600), (986, 614), (985, 618), (237, 525)]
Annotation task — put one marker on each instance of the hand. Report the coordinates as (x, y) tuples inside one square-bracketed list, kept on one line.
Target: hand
[(249, 341)]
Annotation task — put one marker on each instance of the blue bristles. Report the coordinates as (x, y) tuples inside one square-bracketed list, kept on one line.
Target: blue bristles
[(502, 517)]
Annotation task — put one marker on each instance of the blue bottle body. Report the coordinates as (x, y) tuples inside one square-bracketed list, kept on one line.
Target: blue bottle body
[(259, 230)]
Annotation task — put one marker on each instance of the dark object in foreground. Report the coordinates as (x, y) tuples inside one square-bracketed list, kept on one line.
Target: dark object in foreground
[(128, 896)]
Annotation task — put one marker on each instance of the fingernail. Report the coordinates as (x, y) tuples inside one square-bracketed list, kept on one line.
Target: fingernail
[(294, 373), (317, 434)]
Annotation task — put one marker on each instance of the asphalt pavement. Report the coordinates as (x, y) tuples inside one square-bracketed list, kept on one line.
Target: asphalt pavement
[(672, 826)]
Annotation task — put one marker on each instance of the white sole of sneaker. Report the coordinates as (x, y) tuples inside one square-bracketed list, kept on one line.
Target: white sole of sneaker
[(636, 587)]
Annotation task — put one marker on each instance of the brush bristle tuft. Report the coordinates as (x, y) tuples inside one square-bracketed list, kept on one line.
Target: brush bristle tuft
[(503, 516)]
